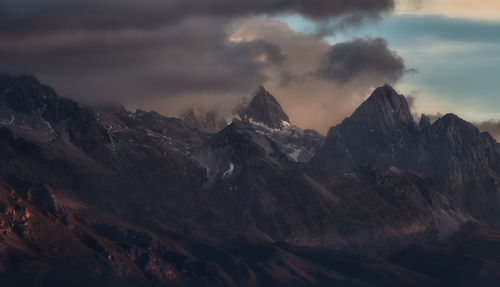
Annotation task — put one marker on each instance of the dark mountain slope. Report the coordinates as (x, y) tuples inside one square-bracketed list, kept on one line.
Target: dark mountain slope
[(244, 188), (374, 134), (161, 173), (466, 162), (470, 258), (256, 191), (48, 239), (450, 152), (132, 163), (266, 116)]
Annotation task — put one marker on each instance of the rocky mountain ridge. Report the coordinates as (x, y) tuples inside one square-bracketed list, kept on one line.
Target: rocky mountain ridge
[(265, 109), (450, 152), (379, 183)]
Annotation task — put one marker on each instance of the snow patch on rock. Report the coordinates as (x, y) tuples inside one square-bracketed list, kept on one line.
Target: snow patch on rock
[(229, 171)]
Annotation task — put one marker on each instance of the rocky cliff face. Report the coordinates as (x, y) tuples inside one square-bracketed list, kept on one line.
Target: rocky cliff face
[(450, 152), (264, 108), (135, 193), (266, 116), (374, 134), (465, 161), (259, 192), (148, 167)]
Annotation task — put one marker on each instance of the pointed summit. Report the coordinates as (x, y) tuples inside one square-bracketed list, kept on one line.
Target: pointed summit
[(24, 93), (385, 108), (264, 108), (375, 133)]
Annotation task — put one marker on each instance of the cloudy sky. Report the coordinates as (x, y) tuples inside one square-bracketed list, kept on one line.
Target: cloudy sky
[(320, 58)]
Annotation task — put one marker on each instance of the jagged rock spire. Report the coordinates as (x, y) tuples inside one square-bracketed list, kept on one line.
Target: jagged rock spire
[(385, 108), (265, 109)]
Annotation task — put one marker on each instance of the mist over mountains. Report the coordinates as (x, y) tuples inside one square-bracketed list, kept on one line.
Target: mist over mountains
[(113, 197)]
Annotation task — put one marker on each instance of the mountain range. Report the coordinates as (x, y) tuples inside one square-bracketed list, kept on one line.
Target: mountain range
[(102, 196)]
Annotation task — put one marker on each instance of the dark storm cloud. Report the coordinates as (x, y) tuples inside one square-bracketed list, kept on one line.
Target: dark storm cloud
[(28, 16), (165, 46), (362, 58), (167, 55), (266, 52), (191, 57), (344, 22)]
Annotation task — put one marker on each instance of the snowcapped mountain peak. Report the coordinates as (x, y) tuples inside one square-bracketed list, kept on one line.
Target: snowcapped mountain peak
[(264, 108)]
